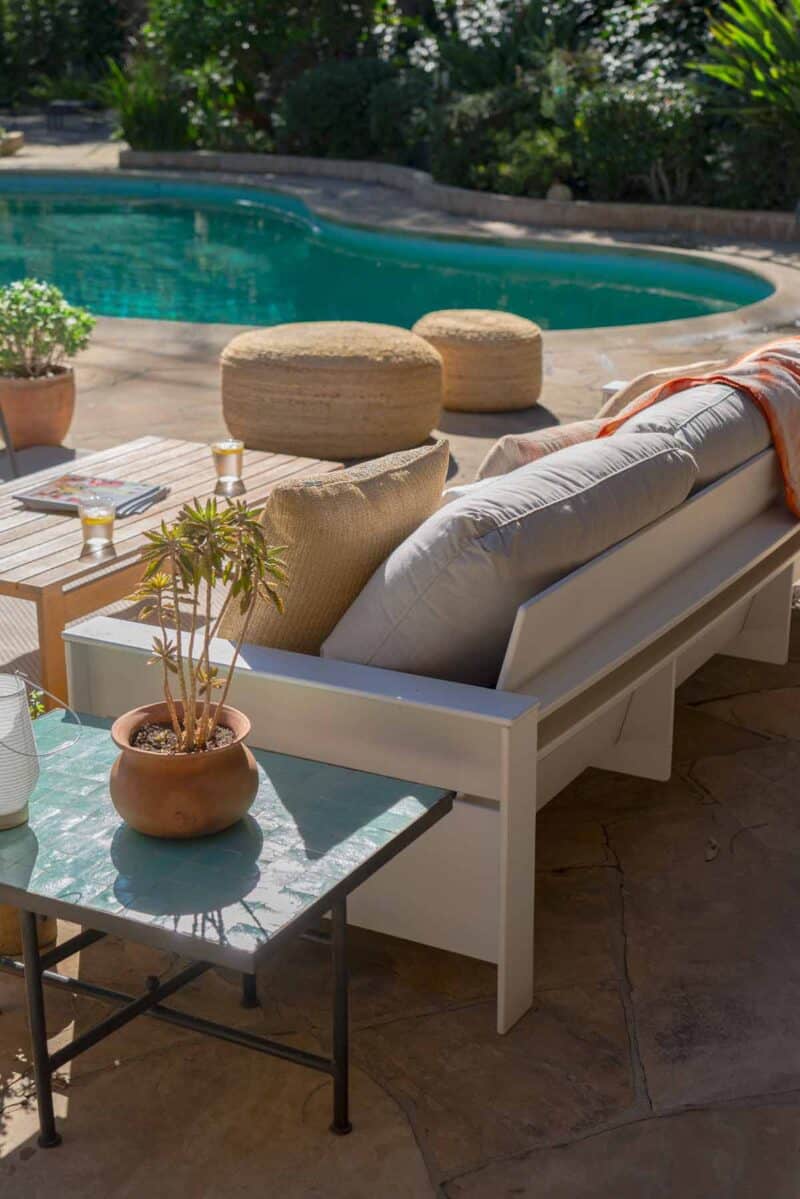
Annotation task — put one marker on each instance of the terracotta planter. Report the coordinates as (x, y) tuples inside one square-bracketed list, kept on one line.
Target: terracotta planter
[(182, 795), (38, 411), (11, 142)]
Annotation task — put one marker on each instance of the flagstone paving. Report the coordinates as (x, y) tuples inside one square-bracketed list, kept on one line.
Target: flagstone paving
[(662, 1057)]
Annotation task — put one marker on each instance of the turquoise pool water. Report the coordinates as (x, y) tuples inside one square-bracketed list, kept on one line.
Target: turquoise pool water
[(196, 252)]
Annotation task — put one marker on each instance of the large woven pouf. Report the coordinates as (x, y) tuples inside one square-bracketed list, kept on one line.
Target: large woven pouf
[(492, 360), (331, 389)]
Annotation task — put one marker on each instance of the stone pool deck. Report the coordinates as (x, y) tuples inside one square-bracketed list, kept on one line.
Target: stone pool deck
[(662, 1057)]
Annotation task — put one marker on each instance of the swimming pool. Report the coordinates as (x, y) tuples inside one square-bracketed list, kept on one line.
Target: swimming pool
[(175, 250)]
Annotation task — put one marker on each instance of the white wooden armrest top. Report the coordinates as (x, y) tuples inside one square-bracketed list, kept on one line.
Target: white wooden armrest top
[(326, 674)]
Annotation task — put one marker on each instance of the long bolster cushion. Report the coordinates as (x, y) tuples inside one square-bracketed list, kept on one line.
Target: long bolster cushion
[(720, 426), (443, 603)]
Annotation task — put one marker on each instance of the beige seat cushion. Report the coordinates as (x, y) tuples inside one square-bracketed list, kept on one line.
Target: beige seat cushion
[(338, 529)]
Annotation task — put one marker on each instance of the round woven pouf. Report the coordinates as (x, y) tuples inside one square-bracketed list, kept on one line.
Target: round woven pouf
[(492, 360), (331, 389)]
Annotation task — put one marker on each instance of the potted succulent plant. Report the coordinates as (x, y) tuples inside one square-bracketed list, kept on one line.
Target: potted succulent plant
[(39, 331), (184, 769)]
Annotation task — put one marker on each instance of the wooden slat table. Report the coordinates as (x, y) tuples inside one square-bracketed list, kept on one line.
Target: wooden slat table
[(40, 553)]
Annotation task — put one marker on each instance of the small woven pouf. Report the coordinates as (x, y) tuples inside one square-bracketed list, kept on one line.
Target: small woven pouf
[(331, 389), (492, 360)]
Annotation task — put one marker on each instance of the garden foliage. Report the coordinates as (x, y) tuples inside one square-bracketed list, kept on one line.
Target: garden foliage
[(58, 47), (672, 101)]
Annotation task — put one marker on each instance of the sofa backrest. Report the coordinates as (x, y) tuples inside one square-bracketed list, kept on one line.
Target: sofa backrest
[(589, 622), (720, 426), (444, 603)]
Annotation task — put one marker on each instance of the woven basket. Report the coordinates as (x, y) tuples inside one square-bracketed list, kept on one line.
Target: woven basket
[(331, 389), (492, 360)]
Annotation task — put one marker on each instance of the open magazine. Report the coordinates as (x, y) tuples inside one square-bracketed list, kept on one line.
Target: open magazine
[(65, 493)]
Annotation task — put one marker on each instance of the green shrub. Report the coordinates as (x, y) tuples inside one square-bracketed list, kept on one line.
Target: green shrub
[(326, 111), (749, 166), (57, 39), (266, 42), (640, 141), (640, 39), (216, 108), (465, 131), (400, 117), (529, 162), (151, 105), (39, 329)]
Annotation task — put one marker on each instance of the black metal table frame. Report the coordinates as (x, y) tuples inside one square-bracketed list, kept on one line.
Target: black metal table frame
[(36, 969)]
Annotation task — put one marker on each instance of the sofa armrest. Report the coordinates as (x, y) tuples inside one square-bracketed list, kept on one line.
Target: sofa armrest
[(424, 730)]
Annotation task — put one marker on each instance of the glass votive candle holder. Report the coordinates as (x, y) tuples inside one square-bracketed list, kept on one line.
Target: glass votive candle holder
[(228, 460), (97, 522)]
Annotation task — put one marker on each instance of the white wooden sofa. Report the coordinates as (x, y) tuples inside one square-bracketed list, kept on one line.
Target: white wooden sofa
[(588, 680)]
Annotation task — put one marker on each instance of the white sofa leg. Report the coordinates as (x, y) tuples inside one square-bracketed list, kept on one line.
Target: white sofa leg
[(764, 635), (517, 877), (644, 743)]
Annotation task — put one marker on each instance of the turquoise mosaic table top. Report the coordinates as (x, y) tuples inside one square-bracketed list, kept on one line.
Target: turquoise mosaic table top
[(314, 831)]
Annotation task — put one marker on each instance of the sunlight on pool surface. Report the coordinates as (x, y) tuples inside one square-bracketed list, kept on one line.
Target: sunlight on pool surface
[(187, 251)]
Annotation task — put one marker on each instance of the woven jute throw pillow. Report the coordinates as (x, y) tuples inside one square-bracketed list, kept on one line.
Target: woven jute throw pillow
[(337, 530)]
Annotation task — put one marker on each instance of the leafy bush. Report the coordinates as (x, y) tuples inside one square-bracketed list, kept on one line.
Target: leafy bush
[(57, 39), (151, 105), (400, 116), (39, 329), (749, 166), (528, 163), (639, 141), (74, 86), (640, 39), (265, 42), (215, 110), (466, 131), (326, 111)]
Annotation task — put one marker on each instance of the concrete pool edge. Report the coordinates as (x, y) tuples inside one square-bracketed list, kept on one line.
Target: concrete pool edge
[(465, 202), (345, 203)]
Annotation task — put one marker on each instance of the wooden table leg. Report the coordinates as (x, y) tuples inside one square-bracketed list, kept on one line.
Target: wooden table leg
[(51, 621)]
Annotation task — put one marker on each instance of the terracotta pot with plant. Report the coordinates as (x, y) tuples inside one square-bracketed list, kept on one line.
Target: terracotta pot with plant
[(184, 769), (39, 332)]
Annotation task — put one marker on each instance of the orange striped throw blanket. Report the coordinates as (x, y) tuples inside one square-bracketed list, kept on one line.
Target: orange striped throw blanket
[(770, 377)]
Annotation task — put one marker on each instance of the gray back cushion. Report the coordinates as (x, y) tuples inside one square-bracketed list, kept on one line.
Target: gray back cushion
[(443, 603), (719, 425)]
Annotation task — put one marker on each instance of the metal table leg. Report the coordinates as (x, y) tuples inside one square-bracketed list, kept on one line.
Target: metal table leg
[(341, 1022), (249, 991), (42, 1074)]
